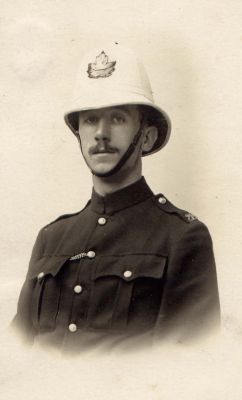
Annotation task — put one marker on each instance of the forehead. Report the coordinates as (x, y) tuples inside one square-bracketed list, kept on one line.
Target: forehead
[(129, 109)]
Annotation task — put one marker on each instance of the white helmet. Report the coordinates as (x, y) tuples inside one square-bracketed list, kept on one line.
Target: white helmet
[(112, 76)]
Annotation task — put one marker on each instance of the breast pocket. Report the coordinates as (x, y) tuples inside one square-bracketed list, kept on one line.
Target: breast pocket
[(46, 292), (127, 291)]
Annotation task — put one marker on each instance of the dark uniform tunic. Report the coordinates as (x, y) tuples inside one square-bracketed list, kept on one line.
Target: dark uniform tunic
[(129, 263)]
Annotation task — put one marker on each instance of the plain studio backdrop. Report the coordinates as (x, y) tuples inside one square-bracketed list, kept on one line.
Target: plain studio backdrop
[(193, 54)]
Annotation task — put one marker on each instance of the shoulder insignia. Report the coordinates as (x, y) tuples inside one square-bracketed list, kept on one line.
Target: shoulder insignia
[(65, 216), (168, 207), (190, 217)]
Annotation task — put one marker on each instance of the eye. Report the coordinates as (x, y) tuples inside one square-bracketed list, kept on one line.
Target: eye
[(118, 119), (91, 119)]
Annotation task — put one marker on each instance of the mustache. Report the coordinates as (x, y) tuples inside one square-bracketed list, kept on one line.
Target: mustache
[(102, 147)]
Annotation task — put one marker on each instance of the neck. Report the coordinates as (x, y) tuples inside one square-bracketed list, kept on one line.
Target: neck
[(111, 184)]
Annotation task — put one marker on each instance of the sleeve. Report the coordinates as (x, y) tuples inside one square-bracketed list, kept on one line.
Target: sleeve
[(22, 320), (190, 303)]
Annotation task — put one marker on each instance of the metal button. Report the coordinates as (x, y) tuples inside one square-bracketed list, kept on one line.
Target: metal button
[(72, 328), (78, 289), (162, 200), (102, 221), (41, 275), (91, 254), (127, 274)]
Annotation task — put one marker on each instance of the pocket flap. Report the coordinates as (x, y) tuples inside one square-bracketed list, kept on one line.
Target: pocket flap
[(47, 265), (131, 266)]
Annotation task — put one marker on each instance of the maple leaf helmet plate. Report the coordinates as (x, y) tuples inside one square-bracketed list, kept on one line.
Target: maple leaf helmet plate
[(110, 76)]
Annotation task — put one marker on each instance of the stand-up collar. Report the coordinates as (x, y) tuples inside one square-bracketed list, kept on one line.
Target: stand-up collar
[(126, 197)]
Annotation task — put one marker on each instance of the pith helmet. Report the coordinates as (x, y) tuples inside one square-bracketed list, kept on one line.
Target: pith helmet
[(110, 76)]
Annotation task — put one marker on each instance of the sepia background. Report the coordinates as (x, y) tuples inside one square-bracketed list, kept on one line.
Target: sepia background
[(193, 54)]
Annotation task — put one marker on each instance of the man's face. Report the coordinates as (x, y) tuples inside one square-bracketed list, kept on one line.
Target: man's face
[(106, 134)]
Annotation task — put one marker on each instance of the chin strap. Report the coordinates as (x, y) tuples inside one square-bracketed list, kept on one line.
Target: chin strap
[(125, 157)]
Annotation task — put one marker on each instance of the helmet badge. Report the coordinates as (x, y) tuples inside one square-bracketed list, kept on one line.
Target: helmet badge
[(102, 67)]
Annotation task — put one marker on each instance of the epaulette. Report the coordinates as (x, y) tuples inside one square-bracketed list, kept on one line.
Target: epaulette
[(168, 207), (65, 216)]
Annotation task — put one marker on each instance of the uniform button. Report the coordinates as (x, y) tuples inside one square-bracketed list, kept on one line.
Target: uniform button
[(102, 221), (162, 200), (41, 275), (78, 289), (72, 328), (127, 274), (91, 254)]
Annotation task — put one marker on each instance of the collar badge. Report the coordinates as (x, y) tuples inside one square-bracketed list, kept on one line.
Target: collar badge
[(102, 67), (190, 217)]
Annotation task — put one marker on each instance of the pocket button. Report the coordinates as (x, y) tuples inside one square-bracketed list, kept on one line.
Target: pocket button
[(72, 328), (128, 274), (78, 289)]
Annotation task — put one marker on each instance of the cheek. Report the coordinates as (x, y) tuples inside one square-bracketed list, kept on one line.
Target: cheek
[(86, 133), (84, 142), (124, 136)]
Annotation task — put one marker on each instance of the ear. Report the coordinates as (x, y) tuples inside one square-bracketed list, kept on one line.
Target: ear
[(149, 138)]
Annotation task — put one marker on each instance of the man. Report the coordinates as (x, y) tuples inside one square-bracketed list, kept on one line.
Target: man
[(130, 264)]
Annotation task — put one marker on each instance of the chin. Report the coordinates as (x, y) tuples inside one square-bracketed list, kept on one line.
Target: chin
[(102, 167), (101, 171)]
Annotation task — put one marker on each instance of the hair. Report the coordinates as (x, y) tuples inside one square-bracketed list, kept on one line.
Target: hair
[(148, 115)]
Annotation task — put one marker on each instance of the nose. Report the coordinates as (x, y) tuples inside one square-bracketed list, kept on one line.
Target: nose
[(103, 130)]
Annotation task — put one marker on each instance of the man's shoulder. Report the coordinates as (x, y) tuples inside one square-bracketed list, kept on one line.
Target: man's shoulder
[(166, 207), (179, 223), (64, 220)]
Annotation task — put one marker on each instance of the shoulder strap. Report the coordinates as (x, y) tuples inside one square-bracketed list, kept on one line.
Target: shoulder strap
[(166, 206)]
